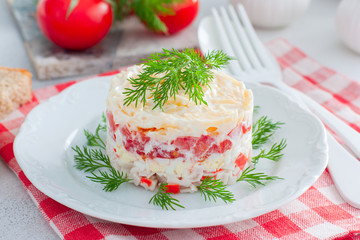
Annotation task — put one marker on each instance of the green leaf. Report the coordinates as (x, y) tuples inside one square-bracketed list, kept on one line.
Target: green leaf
[(121, 8), (148, 11)]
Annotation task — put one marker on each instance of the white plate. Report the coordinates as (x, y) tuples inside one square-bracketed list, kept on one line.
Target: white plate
[(43, 150)]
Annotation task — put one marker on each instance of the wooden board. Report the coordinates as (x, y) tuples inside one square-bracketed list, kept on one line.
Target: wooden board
[(126, 44)]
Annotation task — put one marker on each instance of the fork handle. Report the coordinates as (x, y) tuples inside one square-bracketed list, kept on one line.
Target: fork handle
[(345, 173), (344, 131)]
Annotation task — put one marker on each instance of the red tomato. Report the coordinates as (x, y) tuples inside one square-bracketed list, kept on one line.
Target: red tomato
[(185, 13), (87, 24)]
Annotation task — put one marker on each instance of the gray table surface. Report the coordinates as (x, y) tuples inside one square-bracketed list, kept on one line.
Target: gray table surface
[(315, 33)]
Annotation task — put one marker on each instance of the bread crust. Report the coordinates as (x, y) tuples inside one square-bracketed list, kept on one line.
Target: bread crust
[(15, 89)]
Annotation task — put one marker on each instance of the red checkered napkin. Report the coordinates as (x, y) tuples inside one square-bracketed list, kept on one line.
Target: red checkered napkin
[(320, 213)]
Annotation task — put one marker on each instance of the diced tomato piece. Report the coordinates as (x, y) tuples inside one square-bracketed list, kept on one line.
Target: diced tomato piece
[(173, 188), (225, 145), (214, 149), (134, 141), (128, 145), (144, 138), (203, 144), (157, 152), (241, 160), (185, 143), (146, 181), (126, 132), (140, 139)]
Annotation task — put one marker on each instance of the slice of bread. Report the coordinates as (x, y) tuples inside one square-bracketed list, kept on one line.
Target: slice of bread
[(15, 89)]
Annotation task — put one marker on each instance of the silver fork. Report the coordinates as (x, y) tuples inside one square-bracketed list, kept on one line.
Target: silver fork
[(239, 39)]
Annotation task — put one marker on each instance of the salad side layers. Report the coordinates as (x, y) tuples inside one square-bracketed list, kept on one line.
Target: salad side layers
[(176, 124), (182, 142)]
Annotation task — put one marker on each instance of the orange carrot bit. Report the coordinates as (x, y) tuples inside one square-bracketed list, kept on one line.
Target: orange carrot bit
[(174, 153), (211, 129)]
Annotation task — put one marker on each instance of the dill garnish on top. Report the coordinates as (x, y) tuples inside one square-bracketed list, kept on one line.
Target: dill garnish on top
[(165, 74)]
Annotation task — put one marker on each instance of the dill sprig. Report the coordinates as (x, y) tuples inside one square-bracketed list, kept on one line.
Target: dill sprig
[(212, 189), (255, 179), (103, 125), (111, 181), (94, 139), (274, 154), (165, 74), (164, 199), (90, 159), (93, 160), (263, 129)]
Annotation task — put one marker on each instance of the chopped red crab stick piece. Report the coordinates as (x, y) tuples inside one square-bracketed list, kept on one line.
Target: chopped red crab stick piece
[(214, 172), (241, 160), (212, 177), (173, 188), (245, 129), (235, 131), (146, 181)]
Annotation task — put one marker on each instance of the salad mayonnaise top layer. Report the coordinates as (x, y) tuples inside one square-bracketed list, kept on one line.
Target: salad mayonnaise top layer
[(228, 102)]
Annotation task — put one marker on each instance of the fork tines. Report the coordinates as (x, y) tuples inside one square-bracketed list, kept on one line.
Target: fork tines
[(239, 40)]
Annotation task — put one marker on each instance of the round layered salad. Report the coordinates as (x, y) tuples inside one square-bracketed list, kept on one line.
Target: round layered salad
[(183, 143)]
